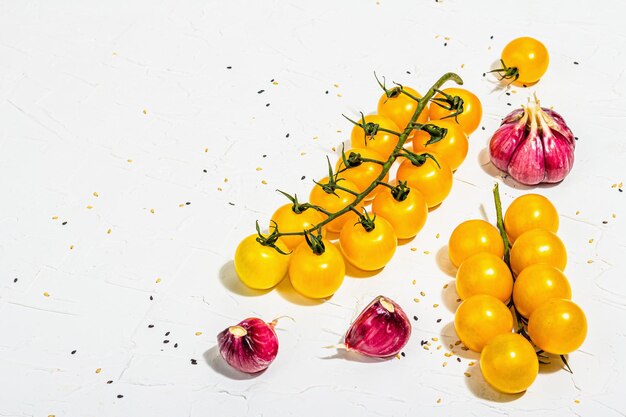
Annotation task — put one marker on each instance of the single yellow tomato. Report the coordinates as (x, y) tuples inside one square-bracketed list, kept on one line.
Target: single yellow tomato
[(528, 57), (316, 275), (558, 326), (368, 247), (452, 148), (472, 237), (333, 202), (260, 266), (364, 174), (509, 363), (484, 273), (469, 119), (432, 180), (537, 246), (479, 319), (289, 220), (400, 108), (536, 284), (530, 211), (406, 210), (382, 142)]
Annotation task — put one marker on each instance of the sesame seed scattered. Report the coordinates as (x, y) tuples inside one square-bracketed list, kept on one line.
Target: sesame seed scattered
[(467, 374), (444, 364), (577, 401), (71, 247), (98, 370), (417, 300), (145, 111), (413, 249), (130, 161), (206, 150), (46, 294), (108, 231), (439, 401), (263, 182), (447, 354), (414, 282), (194, 362), (590, 261), (109, 382), (55, 217), (166, 341), (89, 207), (415, 318), (14, 280), (590, 240), (435, 339), (445, 286), (577, 212), (426, 252), (422, 293), (150, 326), (458, 360), (158, 280), (120, 396), (437, 236), (152, 210), (472, 363), (198, 333), (73, 352), (259, 169)]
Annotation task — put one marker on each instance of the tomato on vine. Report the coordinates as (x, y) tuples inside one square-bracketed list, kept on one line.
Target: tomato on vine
[(369, 244), (381, 142), (509, 363), (558, 326), (357, 169), (536, 284), (479, 319), (524, 60), (530, 211), (472, 237), (452, 148), (331, 200), (261, 261), (403, 207), (484, 273), (400, 107), (317, 268), (538, 246), (431, 178), (447, 103), (295, 217)]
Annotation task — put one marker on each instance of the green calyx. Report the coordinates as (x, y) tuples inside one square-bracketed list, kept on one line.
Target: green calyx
[(507, 73), (271, 239), (315, 242), (450, 103), (401, 191), (436, 133)]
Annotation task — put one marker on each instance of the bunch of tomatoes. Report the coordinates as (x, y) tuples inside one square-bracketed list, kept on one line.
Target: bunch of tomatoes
[(357, 203), (529, 278)]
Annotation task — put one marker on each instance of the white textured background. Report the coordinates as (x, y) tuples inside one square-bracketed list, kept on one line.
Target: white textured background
[(135, 101)]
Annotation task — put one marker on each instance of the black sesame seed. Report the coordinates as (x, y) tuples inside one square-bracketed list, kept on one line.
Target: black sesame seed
[(483, 127), (229, 67), (458, 359), (403, 354), (445, 44), (232, 204), (260, 91), (188, 203), (73, 352), (303, 177), (287, 135), (267, 105), (524, 85), (508, 94), (175, 345), (508, 104), (491, 37), (415, 318), (204, 170), (620, 190), (484, 73), (194, 362), (150, 326), (326, 91), (575, 137), (604, 222), (120, 396), (167, 333), (575, 62), (109, 382), (166, 341), (408, 72), (438, 320), (63, 224), (264, 156), (14, 279), (272, 80), (151, 298)]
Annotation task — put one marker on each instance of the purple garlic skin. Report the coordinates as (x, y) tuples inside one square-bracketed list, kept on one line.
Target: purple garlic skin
[(249, 346), (533, 145), (381, 330)]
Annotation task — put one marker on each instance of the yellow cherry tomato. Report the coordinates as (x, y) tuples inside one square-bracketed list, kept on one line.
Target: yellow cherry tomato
[(406, 211), (434, 182), (335, 202), (509, 363), (484, 273), (364, 174), (537, 284), (382, 142), (530, 211), (452, 148), (288, 220), (316, 276), (537, 246), (472, 237), (479, 319), (529, 56), (558, 326), (260, 266), (368, 250), (400, 108), (469, 120)]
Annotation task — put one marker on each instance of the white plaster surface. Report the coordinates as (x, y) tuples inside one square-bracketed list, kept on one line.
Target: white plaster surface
[(133, 100)]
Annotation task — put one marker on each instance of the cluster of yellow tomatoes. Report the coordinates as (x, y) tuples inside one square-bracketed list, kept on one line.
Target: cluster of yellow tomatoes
[(540, 294), (367, 237)]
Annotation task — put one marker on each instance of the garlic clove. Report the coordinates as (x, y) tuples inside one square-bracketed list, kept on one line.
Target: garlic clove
[(505, 142), (381, 330), (559, 156), (249, 346), (527, 164)]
